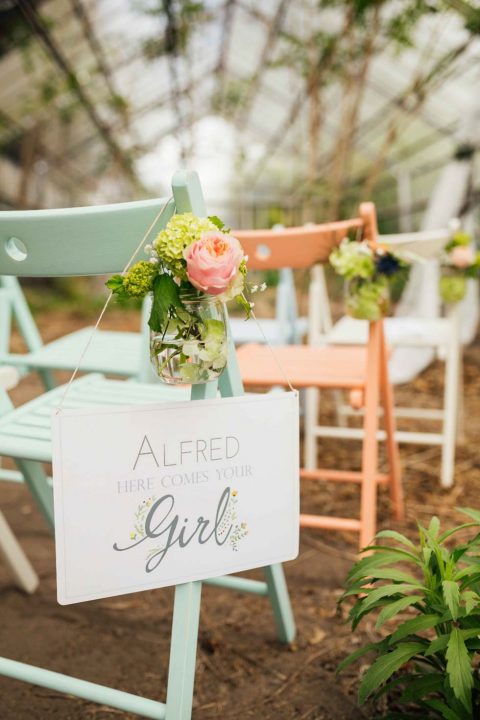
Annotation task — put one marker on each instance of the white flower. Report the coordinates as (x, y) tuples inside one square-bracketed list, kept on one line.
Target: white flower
[(190, 348), (147, 249), (236, 287), (153, 260), (454, 225), (263, 287)]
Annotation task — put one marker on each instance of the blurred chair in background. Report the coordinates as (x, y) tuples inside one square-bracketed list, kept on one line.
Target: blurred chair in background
[(439, 334), (315, 368)]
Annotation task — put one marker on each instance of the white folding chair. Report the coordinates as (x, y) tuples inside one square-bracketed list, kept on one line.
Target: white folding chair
[(440, 334)]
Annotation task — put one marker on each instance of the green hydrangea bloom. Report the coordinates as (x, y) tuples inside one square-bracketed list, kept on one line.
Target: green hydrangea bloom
[(461, 239), (139, 279), (180, 232), (353, 259), (368, 300), (452, 288)]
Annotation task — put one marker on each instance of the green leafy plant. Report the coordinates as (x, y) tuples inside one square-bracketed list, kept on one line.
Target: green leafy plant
[(431, 656)]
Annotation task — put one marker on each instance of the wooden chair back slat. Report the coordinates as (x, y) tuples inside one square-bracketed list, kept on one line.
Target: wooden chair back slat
[(295, 247)]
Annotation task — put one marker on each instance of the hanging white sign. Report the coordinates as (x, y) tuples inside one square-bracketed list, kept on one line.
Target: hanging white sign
[(155, 495)]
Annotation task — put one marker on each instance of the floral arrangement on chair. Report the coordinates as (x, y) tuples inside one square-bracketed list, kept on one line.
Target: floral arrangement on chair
[(460, 261), (368, 269), (194, 267)]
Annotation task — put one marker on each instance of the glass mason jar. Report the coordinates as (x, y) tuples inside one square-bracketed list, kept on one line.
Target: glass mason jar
[(194, 348), (452, 285), (367, 299)]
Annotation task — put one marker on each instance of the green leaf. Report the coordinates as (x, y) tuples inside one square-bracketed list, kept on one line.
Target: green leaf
[(401, 554), (421, 685), (459, 668), (367, 565), (394, 535), (441, 642), (115, 284), (445, 712), (473, 569), (414, 625), (437, 645), (474, 514), (217, 222), (213, 330), (394, 608), (471, 600), (385, 666), (387, 591), (355, 655), (454, 530), (243, 302), (434, 527), (357, 613), (427, 554), (166, 299), (451, 594), (394, 574)]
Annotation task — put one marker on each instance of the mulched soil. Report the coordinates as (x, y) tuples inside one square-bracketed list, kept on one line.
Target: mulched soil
[(242, 670)]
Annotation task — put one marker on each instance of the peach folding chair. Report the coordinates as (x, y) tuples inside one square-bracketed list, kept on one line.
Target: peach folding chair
[(360, 369)]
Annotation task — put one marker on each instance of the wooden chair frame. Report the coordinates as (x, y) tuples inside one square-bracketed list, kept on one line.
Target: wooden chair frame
[(303, 248), (187, 198)]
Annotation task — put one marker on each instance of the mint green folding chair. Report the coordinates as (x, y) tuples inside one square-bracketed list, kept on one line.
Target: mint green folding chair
[(92, 241), (113, 353)]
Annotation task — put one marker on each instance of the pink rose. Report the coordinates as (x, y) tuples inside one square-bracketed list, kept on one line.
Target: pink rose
[(462, 256), (213, 262)]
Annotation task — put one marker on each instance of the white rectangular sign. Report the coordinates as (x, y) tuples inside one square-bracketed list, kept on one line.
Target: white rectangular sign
[(155, 495)]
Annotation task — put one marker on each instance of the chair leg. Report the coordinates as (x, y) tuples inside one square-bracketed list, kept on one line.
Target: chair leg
[(395, 469), (460, 434), (183, 651), (48, 379), (312, 398), (36, 480), (280, 600), (450, 416), (340, 415), (368, 499), (16, 559)]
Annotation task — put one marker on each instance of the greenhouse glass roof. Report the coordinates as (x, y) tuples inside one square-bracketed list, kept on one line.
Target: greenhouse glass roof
[(267, 99)]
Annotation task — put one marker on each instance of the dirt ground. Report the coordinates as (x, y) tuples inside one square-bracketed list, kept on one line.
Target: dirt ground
[(242, 670)]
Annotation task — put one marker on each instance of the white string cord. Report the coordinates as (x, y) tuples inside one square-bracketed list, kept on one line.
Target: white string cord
[(107, 302), (274, 355)]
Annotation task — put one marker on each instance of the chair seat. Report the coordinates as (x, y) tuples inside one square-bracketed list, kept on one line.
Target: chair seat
[(113, 353), (303, 365), (415, 332), (26, 431), (248, 331)]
